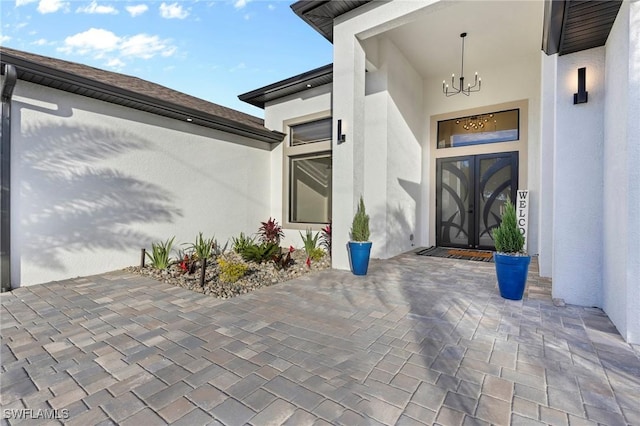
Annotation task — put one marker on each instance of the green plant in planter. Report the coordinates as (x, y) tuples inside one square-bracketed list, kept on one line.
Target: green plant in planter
[(507, 237), (360, 224)]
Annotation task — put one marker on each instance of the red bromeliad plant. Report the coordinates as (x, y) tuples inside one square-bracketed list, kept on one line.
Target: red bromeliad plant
[(270, 232), (325, 238)]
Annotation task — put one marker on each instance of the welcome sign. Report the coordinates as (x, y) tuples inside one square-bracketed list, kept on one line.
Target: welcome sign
[(522, 213)]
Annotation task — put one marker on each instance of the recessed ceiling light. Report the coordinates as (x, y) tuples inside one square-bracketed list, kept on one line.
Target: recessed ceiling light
[(308, 84), (189, 119)]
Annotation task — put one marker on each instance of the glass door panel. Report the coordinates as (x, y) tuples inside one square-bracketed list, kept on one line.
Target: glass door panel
[(495, 185), (471, 193), (455, 201)]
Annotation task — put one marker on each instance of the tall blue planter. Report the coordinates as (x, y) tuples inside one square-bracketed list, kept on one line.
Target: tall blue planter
[(512, 274), (359, 253)]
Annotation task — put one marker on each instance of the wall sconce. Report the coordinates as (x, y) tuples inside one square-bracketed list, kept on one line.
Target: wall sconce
[(341, 136), (582, 96)]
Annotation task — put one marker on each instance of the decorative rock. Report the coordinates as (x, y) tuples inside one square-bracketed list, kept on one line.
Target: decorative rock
[(257, 276)]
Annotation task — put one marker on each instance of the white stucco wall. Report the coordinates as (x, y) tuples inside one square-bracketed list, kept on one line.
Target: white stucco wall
[(578, 181), (93, 183), (349, 62), (306, 106), (621, 202), (392, 151), (549, 76)]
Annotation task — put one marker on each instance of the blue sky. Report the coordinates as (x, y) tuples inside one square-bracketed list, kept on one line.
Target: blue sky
[(214, 50)]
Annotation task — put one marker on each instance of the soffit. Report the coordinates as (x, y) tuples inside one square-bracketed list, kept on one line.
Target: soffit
[(576, 25), (319, 14), (498, 32), (305, 81)]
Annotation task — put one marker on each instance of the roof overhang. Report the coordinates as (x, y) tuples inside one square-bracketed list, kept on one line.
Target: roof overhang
[(319, 14), (574, 25), (59, 79), (290, 86)]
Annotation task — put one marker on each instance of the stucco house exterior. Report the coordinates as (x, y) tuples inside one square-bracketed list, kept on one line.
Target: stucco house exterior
[(399, 141), (433, 169), (102, 164)]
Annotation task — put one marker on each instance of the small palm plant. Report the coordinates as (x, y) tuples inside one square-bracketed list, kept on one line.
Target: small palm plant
[(507, 237)]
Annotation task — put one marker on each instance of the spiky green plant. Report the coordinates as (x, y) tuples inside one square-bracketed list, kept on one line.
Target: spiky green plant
[(241, 242), (309, 240), (159, 256), (360, 225), (260, 253), (202, 246), (507, 237)]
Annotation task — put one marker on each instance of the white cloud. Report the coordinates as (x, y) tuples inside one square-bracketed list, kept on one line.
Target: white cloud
[(145, 46), (137, 10), (104, 44), (4, 38), (116, 63), (239, 4), (51, 6), (41, 42), (23, 2), (94, 40), (240, 66), (174, 10), (95, 8), (271, 7)]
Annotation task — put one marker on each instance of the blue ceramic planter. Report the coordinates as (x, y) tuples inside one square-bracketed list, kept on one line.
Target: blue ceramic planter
[(512, 274), (359, 253)]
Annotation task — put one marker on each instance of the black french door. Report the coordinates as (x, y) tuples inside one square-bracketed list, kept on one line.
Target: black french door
[(471, 193)]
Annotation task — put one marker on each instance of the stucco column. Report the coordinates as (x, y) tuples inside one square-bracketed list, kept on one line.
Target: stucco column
[(549, 69), (578, 182), (348, 157)]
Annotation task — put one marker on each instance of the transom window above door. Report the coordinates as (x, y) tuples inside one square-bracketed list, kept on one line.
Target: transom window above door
[(493, 127)]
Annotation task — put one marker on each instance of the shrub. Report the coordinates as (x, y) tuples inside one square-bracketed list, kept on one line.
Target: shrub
[(360, 225), (507, 237), (239, 244), (270, 232), (316, 254), (325, 238), (202, 247), (159, 256), (230, 271), (260, 253)]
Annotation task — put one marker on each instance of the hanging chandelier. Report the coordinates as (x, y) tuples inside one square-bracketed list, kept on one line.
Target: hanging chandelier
[(477, 122), (453, 90)]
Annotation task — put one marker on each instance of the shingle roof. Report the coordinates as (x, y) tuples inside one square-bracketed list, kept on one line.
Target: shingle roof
[(133, 92)]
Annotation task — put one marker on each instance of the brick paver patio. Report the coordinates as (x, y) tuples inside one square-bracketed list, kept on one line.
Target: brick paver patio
[(417, 341)]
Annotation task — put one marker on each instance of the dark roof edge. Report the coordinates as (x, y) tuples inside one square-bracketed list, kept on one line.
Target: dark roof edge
[(554, 11), (208, 120), (302, 9), (273, 89)]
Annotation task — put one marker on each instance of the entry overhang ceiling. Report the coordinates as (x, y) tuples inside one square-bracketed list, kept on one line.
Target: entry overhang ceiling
[(570, 25)]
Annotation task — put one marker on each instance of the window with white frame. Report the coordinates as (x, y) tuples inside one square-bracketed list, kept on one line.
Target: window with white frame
[(307, 166)]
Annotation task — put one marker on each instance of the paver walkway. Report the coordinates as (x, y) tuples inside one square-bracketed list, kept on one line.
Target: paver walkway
[(417, 341)]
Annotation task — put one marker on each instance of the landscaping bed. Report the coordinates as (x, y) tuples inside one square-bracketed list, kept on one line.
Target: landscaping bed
[(258, 274)]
